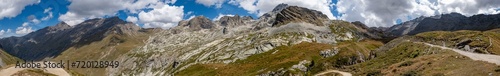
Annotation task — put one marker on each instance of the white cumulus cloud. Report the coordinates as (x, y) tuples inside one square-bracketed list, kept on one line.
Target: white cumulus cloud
[(25, 24), (49, 14), (7, 33), (1, 33), (8, 30), (469, 7), (164, 16), (191, 17), (12, 8), (208, 3), (80, 10)]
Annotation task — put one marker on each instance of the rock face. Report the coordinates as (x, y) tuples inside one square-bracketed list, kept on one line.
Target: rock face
[(199, 23), (446, 22), (234, 21), (299, 14), (53, 40), (7, 59), (58, 27)]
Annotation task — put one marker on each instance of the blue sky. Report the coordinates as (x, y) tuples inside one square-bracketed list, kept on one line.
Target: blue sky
[(25, 16), (60, 7)]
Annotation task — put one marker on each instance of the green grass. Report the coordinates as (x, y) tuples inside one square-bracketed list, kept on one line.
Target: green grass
[(479, 39), (399, 53), (284, 58), (410, 59), (7, 58), (109, 48), (256, 64), (406, 63)]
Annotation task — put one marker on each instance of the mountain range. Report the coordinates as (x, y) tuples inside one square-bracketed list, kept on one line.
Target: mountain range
[(446, 22), (289, 40)]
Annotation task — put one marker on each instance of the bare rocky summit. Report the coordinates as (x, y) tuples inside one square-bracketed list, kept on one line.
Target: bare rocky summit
[(299, 14), (234, 21), (200, 22)]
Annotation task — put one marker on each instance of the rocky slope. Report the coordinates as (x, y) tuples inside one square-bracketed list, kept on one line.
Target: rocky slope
[(7, 59), (299, 14), (51, 41), (429, 54), (446, 22), (101, 39), (234, 21), (179, 48)]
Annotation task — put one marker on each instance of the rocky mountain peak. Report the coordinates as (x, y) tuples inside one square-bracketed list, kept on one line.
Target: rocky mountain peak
[(275, 11), (280, 7), (59, 26), (199, 22), (454, 14), (231, 21), (299, 14), (115, 19)]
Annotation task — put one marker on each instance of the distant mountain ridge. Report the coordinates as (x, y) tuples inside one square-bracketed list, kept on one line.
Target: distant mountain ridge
[(446, 22), (53, 40)]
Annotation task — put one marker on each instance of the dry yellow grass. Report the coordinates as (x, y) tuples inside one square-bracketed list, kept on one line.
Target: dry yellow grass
[(255, 64), (7, 58), (108, 49), (284, 58), (409, 58)]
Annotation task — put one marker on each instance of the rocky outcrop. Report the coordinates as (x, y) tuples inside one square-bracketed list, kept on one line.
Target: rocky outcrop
[(58, 27), (233, 21), (275, 11), (299, 14), (51, 41), (446, 22), (283, 14), (329, 52), (7, 59), (198, 23)]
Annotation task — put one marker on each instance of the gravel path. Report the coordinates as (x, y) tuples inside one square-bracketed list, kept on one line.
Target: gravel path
[(334, 71), (474, 56)]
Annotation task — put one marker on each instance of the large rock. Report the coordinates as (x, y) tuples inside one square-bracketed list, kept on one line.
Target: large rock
[(58, 27), (200, 22), (299, 14)]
